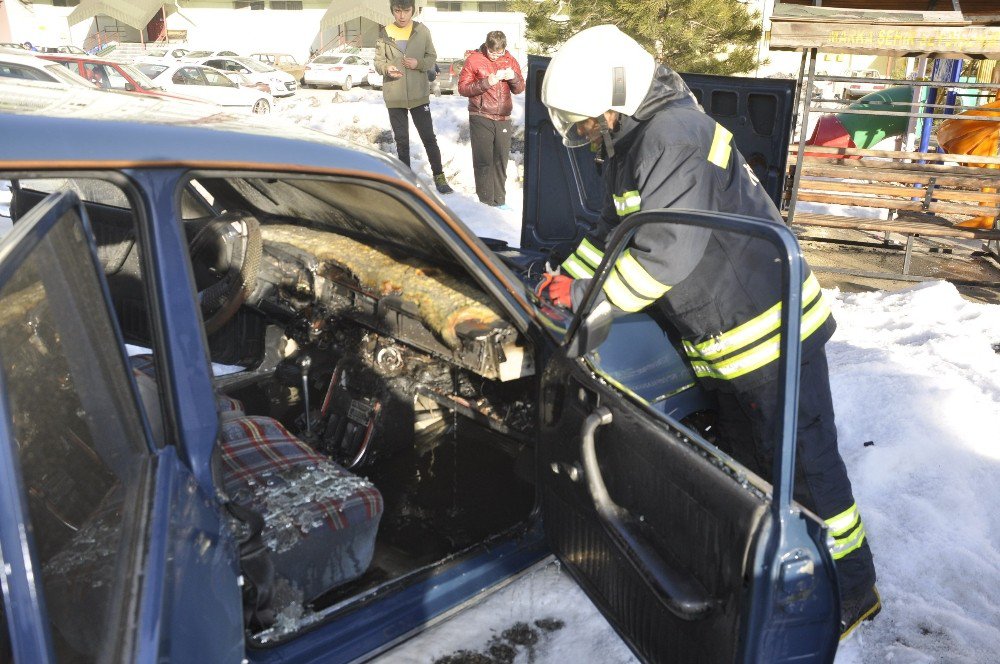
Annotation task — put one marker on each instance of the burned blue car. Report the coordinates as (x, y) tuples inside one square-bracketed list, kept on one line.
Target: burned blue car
[(266, 399)]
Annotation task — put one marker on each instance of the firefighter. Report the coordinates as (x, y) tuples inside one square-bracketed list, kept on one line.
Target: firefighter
[(658, 149)]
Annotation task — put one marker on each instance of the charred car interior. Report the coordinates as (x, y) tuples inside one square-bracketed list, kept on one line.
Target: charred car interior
[(397, 400)]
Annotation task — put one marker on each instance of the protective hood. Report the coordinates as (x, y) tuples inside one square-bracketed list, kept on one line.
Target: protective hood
[(666, 89)]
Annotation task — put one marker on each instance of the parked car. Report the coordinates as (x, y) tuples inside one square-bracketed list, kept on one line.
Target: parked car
[(30, 67), (208, 84), (174, 53), (374, 79), (277, 82), (112, 75), (449, 70), (343, 70), (65, 48), (332, 378), (858, 89), (197, 55), (282, 61)]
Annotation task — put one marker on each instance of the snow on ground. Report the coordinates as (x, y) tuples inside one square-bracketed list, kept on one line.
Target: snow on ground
[(915, 375), (916, 384)]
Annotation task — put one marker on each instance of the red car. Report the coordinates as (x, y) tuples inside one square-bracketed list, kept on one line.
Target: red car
[(112, 75)]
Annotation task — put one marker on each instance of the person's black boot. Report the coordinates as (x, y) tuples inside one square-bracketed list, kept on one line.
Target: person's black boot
[(858, 609), (442, 184)]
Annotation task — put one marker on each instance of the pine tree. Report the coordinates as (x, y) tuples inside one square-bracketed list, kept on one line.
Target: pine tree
[(703, 36)]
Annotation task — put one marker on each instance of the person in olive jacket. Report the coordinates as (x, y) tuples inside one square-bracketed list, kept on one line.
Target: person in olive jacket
[(404, 53), (489, 78)]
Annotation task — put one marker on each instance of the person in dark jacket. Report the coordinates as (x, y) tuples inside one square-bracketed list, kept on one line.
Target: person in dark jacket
[(489, 78), (721, 291), (404, 53)]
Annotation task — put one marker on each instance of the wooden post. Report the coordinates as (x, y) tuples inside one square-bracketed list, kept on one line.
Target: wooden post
[(807, 102)]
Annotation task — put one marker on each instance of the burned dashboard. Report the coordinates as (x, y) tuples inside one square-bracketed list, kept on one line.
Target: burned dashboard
[(317, 277)]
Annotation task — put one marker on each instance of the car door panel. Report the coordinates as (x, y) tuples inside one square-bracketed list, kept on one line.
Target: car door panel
[(125, 557), (688, 517), (689, 555)]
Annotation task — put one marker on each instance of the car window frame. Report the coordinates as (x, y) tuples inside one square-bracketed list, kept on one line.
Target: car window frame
[(18, 246)]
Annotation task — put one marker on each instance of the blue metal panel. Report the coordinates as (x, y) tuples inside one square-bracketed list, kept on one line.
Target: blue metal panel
[(25, 607), (184, 349), (372, 626), (191, 609), (28, 136)]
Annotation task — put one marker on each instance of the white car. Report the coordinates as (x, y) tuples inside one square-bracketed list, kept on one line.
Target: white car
[(32, 68), (165, 53), (200, 55), (374, 78), (209, 85), (344, 70), (277, 82)]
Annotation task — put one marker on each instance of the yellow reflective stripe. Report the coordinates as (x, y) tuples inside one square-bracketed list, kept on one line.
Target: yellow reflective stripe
[(589, 253), (841, 548), (627, 203), (721, 150), (636, 276), (844, 521), (761, 355), (755, 328), (576, 268), (620, 295)]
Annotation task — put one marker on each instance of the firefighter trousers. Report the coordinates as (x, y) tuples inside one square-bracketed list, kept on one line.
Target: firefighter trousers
[(748, 424)]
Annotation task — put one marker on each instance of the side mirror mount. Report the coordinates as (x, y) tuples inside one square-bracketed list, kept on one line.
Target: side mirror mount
[(593, 331)]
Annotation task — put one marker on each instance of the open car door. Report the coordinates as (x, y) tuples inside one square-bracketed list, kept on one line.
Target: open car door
[(110, 552), (691, 557)]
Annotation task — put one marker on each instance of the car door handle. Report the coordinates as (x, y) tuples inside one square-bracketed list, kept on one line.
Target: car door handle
[(678, 593)]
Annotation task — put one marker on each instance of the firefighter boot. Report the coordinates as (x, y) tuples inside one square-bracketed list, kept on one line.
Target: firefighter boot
[(857, 609)]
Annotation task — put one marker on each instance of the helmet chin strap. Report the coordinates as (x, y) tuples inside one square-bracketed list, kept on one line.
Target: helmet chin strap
[(607, 142)]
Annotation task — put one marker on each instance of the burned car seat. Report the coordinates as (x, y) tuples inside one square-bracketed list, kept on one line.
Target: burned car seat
[(320, 521)]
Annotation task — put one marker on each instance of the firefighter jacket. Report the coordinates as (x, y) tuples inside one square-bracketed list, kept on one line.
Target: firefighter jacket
[(721, 290), (493, 102), (412, 89)]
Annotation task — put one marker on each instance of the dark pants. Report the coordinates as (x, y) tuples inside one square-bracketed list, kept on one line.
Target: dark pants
[(490, 151), (748, 425), (400, 124)]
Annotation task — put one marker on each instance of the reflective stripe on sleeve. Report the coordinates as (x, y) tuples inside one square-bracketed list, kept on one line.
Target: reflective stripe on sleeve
[(583, 262), (622, 296), (636, 276), (627, 203), (721, 149), (589, 253), (576, 268)]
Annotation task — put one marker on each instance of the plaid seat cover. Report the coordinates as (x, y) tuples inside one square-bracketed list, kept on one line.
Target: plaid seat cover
[(320, 521), (260, 456)]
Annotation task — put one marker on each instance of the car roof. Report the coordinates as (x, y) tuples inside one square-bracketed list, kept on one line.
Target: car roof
[(23, 58), (79, 57), (35, 120)]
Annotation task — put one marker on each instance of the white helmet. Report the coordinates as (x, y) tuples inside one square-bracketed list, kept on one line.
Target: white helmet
[(598, 69)]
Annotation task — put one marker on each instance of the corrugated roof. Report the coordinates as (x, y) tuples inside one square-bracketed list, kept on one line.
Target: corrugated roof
[(136, 13), (342, 11)]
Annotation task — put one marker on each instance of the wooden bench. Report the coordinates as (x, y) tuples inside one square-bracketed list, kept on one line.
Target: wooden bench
[(916, 197)]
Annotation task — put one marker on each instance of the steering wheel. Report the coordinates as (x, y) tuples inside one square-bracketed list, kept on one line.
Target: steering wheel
[(235, 248)]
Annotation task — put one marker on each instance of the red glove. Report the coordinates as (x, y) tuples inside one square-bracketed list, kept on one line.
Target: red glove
[(556, 287)]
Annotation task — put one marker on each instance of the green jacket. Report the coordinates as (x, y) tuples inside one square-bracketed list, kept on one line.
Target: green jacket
[(413, 88)]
